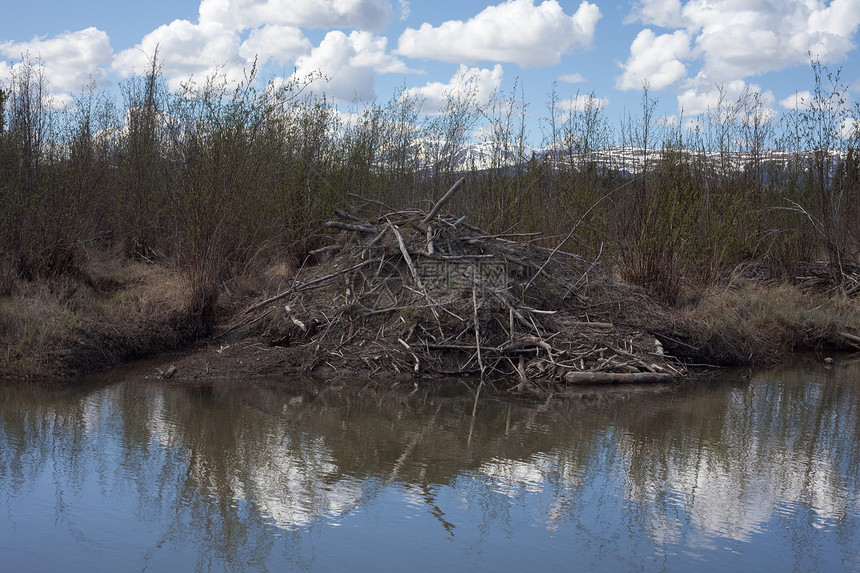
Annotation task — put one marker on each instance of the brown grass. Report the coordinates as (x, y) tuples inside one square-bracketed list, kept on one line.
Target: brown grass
[(119, 310), (752, 323)]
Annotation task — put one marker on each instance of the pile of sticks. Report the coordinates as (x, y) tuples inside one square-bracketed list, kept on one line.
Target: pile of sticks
[(429, 294)]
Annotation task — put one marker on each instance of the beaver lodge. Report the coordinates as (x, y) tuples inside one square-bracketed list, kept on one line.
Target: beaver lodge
[(406, 293)]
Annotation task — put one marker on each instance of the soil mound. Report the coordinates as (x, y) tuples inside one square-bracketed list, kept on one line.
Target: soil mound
[(407, 293)]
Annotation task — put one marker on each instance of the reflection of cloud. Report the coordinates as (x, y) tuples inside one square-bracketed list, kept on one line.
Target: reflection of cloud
[(734, 486), (294, 488), (510, 477)]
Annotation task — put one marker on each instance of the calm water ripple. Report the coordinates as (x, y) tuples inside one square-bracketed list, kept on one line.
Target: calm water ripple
[(127, 474)]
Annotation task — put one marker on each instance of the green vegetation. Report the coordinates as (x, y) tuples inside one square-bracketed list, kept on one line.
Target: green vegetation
[(218, 182)]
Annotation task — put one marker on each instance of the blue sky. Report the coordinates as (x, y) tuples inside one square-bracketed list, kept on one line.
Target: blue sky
[(371, 49)]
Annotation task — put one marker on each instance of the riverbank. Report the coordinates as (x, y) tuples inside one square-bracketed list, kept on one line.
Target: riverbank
[(121, 309)]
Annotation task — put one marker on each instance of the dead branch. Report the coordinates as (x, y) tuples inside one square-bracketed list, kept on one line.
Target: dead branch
[(371, 201), (350, 227), (344, 215), (443, 200)]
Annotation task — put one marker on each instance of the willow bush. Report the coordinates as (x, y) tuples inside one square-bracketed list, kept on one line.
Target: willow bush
[(218, 178)]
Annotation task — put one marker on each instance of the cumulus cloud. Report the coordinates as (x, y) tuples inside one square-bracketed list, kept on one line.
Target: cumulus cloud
[(282, 44), (740, 38), (797, 100), (515, 31), (371, 15), (186, 49), (850, 129), (663, 13), (699, 97), (71, 60), (481, 85), (349, 63), (655, 60)]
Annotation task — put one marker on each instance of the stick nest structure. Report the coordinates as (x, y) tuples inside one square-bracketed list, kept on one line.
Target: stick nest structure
[(410, 294)]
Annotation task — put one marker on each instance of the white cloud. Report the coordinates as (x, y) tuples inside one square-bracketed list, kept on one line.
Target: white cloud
[(243, 14), (274, 42), (70, 59), (583, 102), (349, 63), (797, 100), (404, 10), (663, 13), (655, 60), (850, 129), (185, 50), (700, 96), (481, 85), (568, 108), (515, 31), (735, 39), (574, 78), (739, 38)]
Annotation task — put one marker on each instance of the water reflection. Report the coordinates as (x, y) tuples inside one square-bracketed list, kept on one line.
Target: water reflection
[(759, 473)]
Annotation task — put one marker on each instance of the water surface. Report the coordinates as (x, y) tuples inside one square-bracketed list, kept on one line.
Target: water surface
[(127, 474)]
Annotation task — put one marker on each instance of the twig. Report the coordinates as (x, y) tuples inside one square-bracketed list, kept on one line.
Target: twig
[(243, 322), (585, 274), (429, 240), (517, 314), (322, 250), (575, 227), (405, 252)]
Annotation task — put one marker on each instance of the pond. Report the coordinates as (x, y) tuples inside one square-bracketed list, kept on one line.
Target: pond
[(744, 472)]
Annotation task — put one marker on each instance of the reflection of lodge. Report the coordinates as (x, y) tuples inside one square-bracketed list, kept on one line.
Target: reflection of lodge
[(707, 464)]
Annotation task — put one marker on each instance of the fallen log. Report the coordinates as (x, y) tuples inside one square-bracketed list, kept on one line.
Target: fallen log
[(853, 340), (617, 378)]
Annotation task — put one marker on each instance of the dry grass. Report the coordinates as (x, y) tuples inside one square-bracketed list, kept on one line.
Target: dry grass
[(749, 323), (119, 310)]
